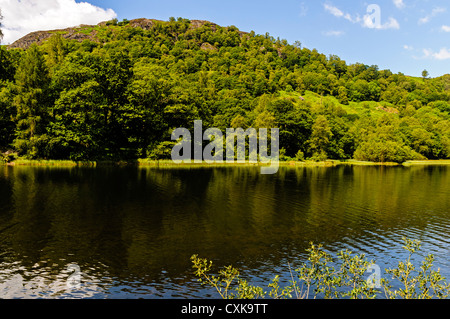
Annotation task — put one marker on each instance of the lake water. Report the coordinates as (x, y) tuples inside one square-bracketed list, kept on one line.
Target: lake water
[(131, 231)]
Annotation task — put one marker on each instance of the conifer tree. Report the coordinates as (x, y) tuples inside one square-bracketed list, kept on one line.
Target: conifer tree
[(32, 82)]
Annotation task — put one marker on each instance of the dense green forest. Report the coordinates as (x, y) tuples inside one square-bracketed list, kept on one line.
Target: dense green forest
[(120, 94)]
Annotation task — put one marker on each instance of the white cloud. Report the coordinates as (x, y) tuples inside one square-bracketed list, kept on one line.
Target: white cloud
[(443, 54), (371, 24), (408, 47), (424, 20), (303, 9), (340, 14), (333, 33), (433, 13), (399, 4), (445, 28), (21, 17), (391, 24), (371, 21), (333, 10), (428, 53), (348, 17)]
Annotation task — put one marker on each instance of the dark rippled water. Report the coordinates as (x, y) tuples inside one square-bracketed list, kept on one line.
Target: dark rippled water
[(132, 231)]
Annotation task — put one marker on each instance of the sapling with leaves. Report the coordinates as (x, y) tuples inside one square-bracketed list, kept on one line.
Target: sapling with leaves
[(321, 276)]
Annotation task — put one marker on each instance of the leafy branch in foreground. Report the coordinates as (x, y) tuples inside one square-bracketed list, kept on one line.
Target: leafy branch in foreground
[(422, 283), (319, 278), (223, 282)]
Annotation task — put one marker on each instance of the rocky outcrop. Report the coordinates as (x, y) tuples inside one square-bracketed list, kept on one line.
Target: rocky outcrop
[(75, 33), (195, 24), (208, 47), (145, 24), (40, 36)]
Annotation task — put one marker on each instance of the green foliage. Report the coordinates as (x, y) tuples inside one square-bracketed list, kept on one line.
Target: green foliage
[(56, 50), (112, 22), (421, 283), (78, 126), (224, 281), (119, 94), (378, 150), (7, 65), (123, 22), (32, 103), (7, 116), (320, 137), (344, 277), (7, 157), (162, 151), (319, 278), (300, 156)]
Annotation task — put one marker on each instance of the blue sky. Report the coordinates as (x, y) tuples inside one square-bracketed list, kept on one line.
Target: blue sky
[(405, 36)]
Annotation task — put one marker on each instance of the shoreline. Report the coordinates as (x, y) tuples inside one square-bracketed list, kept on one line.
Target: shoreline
[(170, 164)]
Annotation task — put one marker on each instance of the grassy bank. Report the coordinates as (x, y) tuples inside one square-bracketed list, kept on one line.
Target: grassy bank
[(328, 163), (49, 163), (169, 163), (436, 162)]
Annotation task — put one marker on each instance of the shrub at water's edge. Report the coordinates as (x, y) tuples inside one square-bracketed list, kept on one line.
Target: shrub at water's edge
[(319, 278)]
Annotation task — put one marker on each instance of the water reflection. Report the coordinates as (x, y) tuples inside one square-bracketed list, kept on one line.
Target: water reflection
[(132, 230)]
